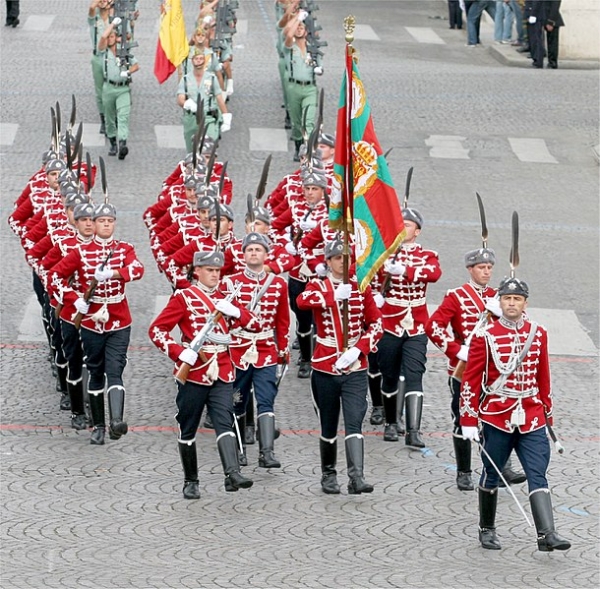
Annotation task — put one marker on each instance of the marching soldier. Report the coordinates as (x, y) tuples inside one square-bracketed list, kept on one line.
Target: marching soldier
[(301, 89), (210, 380), (460, 310), (403, 346), (106, 319), (303, 217), (116, 91), (202, 85), (339, 377), (71, 339), (464, 311), (506, 386), (98, 15), (256, 355)]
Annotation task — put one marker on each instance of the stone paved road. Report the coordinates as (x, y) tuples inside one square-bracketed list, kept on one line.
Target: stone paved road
[(74, 515)]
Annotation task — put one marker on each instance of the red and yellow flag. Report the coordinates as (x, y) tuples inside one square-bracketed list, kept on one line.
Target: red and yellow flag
[(172, 47), (363, 197)]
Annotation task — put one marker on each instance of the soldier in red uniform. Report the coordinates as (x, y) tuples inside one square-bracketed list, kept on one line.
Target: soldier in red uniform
[(106, 323), (464, 311), (300, 219), (450, 327), (256, 355), (506, 386), (339, 378), (210, 381), (403, 348)]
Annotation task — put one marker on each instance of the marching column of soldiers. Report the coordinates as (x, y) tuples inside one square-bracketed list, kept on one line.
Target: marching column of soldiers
[(233, 300)]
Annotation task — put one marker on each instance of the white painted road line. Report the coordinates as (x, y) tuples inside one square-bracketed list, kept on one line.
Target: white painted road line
[(169, 136), (447, 147), (8, 132), (39, 22), (263, 139), (531, 150), (425, 35)]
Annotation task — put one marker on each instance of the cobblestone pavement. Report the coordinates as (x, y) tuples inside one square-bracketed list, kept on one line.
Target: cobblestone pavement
[(75, 515)]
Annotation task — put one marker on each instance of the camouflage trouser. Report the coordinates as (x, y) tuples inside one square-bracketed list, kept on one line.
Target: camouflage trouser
[(98, 75), (117, 108)]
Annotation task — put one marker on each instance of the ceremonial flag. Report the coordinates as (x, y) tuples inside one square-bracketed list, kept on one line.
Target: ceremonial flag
[(363, 197), (172, 47)]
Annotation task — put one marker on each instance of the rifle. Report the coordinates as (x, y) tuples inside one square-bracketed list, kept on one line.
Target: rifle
[(125, 10), (196, 344), (89, 293)]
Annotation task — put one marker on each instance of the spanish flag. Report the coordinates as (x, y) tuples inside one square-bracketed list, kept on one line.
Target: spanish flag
[(172, 47)]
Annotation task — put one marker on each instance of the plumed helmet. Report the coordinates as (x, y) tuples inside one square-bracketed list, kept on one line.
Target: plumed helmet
[(410, 214), (85, 209), (104, 209), (225, 210), (483, 255), (254, 238), (211, 258), (55, 165), (334, 248), (514, 286)]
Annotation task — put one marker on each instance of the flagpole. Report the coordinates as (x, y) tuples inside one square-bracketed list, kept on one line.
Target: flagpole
[(347, 224)]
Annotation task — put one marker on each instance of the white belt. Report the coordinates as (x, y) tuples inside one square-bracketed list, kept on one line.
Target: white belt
[(406, 303), (213, 349), (108, 300), (254, 337), (512, 394), (332, 342)]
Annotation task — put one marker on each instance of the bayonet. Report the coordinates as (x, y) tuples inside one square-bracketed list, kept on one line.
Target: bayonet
[(73, 112), (514, 250), (484, 229), (262, 184)]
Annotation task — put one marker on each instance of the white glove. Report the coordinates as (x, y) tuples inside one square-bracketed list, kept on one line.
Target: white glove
[(227, 308), (493, 306), (321, 269), (307, 224), (103, 274), (302, 14), (290, 248), (379, 300), (81, 306), (188, 356), (226, 124), (342, 292), (318, 70), (395, 268), (124, 74), (207, 20), (348, 358), (463, 353), (470, 432), (190, 105), (117, 21)]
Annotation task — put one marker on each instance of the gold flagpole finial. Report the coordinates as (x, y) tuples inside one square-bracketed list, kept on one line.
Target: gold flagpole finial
[(349, 25)]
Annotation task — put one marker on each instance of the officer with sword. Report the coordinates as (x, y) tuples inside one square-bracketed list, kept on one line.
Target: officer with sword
[(506, 387)]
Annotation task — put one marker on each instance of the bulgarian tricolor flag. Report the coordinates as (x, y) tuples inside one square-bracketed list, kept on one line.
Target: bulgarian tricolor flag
[(363, 197), (172, 47)]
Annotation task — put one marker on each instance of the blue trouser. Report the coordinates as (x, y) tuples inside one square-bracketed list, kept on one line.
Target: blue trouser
[(475, 12), (533, 450), (348, 392), (406, 355), (265, 389), (191, 400), (105, 354)]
